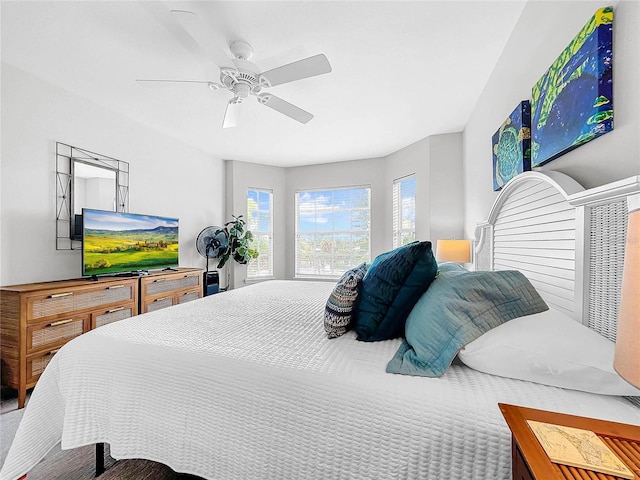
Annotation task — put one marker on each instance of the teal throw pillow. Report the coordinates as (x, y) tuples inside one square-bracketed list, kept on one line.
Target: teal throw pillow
[(458, 307), (339, 309), (446, 267), (394, 282)]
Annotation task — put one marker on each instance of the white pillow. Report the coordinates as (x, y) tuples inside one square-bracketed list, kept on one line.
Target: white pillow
[(549, 348)]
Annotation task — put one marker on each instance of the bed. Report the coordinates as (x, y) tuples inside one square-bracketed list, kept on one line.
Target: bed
[(246, 384)]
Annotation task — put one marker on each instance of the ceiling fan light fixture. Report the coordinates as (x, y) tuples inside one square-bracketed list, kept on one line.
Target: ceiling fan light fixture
[(242, 77), (241, 90), (232, 113)]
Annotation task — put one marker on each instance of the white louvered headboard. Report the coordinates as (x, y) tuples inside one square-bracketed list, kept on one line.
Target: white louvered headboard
[(567, 240)]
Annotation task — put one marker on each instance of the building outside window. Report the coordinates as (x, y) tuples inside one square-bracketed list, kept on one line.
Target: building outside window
[(260, 223), (332, 230), (404, 210)]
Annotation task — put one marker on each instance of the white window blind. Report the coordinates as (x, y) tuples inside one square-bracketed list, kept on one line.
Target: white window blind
[(332, 230), (260, 223), (404, 210)]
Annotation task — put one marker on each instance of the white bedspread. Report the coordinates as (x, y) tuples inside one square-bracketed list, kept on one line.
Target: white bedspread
[(245, 385)]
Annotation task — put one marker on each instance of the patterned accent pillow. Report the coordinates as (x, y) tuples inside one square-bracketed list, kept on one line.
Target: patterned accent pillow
[(339, 309)]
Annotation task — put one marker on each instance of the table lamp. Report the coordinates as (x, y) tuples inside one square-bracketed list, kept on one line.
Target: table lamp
[(458, 251), (626, 360)]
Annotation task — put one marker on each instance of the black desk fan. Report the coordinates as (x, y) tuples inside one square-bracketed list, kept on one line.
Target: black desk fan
[(211, 243)]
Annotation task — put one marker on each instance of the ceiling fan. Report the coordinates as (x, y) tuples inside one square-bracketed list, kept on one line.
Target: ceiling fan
[(242, 77)]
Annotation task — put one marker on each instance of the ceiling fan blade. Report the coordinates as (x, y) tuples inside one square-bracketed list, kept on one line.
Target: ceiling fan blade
[(151, 82), (308, 67), (196, 29), (232, 113), (285, 107)]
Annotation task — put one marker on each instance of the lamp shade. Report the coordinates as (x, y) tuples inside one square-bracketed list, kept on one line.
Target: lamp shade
[(626, 360), (458, 251)]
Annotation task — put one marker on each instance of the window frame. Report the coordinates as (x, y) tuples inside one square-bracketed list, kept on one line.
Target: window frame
[(257, 232), (398, 231), (336, 273)]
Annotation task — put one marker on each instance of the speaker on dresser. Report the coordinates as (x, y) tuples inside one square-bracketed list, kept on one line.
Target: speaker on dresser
[(211, 283)]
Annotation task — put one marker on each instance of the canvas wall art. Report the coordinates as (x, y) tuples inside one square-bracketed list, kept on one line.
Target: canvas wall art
[(511, 146), (573, 101)]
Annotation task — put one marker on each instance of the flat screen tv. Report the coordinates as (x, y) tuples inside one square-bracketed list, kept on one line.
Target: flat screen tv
[(127, 243)]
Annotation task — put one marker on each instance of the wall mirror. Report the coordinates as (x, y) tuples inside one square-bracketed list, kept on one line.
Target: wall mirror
[(86, 179)]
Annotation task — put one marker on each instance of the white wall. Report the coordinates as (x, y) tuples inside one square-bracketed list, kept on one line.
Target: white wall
[(240, 177), (437, 163), (167, 177), (542, 33)]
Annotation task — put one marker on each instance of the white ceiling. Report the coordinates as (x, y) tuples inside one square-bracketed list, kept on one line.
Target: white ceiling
[(401, 70)]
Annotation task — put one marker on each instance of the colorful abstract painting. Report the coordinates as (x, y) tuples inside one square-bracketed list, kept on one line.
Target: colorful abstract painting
[(511, 146), (573, 101)]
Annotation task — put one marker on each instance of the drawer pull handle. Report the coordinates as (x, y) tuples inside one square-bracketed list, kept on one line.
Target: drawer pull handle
[(113, 287), (53, 352), (188, 276), (119, 309), (58, 295), (61, 322), (157, 280), (160, 299)]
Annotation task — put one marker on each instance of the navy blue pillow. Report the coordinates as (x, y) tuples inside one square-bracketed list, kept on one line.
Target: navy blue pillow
[(393, 284)]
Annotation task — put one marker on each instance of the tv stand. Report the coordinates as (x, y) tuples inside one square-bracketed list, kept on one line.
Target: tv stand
[(39, 318)]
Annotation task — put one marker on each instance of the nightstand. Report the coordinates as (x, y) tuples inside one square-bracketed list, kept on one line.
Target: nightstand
[(530, 462)]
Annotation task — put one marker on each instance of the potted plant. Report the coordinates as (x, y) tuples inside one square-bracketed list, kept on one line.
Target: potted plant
[(238, 242)]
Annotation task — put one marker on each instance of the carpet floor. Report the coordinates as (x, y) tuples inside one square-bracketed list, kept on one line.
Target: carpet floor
[(79, 463)]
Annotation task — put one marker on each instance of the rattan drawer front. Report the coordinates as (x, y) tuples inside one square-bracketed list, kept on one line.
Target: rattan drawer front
[(71, 301), (53, 333), (162, 285), (188, 296), (37, 363), (159, 303), (113, 316)]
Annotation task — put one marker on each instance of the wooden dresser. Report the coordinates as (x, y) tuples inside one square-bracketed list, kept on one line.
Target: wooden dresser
[(37, 319)]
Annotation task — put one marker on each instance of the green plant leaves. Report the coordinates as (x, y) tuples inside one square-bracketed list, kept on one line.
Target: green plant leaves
[(239, 240)]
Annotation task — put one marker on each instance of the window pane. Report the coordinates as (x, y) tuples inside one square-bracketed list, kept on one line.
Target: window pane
[(332, 230), (260, 223), (404, 210)]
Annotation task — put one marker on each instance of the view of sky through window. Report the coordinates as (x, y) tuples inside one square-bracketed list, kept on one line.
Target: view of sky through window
[(332, 230)]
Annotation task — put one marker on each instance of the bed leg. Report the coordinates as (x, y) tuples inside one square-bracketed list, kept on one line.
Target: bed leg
[(99, 459)]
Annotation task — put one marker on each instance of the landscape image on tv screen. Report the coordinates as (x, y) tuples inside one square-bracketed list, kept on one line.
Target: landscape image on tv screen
[(116, 242)]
